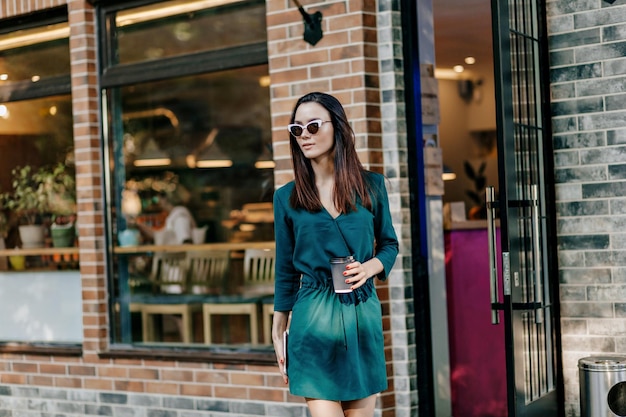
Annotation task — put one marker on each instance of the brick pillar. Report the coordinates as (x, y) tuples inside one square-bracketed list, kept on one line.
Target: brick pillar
[(343, 63), (89, 184)]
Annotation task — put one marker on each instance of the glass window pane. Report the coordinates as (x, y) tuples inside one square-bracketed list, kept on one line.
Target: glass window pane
[(204, 143), (181, 27), (34, 54), (37, 135)]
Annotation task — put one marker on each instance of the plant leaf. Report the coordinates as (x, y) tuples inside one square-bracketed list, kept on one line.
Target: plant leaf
[(469, 170)]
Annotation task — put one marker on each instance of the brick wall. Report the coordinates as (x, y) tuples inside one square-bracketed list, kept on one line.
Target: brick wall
[(588, 75), (345, 63), (351, 62)]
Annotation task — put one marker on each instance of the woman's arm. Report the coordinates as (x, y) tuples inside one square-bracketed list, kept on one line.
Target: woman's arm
[(279, 325), (384, 232)]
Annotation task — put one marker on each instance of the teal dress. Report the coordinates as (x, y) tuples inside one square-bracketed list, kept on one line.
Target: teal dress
[(335, 349)]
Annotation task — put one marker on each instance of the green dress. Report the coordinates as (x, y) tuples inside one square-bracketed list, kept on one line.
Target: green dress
[(335, 349)]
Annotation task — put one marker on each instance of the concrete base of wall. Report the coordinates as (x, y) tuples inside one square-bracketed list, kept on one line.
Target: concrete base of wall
[(33, 401)]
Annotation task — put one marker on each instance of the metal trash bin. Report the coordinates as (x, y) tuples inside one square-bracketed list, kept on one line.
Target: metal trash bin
[(602, 386)]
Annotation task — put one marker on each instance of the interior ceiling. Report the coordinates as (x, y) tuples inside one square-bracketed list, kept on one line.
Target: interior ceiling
[(462, 28)]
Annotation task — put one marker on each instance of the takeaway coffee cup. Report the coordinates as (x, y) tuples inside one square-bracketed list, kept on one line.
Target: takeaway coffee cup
[(337, 267)]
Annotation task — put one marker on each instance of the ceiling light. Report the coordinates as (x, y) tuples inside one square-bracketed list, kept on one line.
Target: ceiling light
[(4, 77), (458, 68), (4, 111), (152, 156), (209, 154), (35, 78), (448, 174), (470, 60), (214, 163), (264, 164), (152, 162)]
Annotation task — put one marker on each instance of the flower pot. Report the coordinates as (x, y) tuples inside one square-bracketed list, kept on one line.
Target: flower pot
[(63, 236), (128, 237), (31, 236), (18, 262)]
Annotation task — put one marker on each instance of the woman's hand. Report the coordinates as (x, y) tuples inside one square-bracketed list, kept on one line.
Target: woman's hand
[(358, 273), (279, 325)]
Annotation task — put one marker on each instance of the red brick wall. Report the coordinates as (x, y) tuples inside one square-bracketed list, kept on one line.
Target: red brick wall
[(343, 63)]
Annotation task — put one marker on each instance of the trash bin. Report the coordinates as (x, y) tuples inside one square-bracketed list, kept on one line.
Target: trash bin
[(602, 386)]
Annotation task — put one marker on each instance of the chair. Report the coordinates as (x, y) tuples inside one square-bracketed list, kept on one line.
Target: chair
[(168, 273), (268, 314), (168, 278), (258, 280), (207, 270)]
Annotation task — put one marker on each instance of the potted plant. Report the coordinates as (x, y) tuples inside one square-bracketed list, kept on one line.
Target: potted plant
[(28, 202), (49, 190), (59, 187)]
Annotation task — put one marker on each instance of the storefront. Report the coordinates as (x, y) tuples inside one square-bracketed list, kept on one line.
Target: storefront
[(151, 104), (109, 110)]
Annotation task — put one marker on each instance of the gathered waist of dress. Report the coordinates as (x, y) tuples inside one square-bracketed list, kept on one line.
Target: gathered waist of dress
[(357, 296), (316, 282)]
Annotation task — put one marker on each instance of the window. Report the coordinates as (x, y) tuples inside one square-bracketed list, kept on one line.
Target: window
[(37, 191), (186, 104)]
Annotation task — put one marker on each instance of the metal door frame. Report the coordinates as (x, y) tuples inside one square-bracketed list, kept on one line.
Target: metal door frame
[(514, 114)]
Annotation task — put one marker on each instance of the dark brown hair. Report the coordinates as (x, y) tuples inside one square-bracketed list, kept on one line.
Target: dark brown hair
[(350, 182)]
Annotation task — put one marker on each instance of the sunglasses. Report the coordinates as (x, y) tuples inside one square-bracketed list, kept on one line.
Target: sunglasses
[(313, 127)]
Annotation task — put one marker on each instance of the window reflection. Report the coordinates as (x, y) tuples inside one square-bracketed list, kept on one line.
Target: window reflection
[(34, 54), (182, 27), (191, 176), (206, 137)]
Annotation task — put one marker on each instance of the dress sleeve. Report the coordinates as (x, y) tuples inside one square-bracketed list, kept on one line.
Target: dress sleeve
[(385, 234), (287, 280)]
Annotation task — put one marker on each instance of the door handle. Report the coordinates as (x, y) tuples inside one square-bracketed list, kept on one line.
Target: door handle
[(536, 253), (490, 196)]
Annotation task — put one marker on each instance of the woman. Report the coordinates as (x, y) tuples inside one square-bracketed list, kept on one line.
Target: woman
[(334, 208), (179, 222)]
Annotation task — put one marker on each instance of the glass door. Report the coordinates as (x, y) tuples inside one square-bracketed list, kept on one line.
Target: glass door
[(525, 208)]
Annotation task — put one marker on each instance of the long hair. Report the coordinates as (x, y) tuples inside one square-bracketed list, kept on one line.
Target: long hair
[(350, 182)]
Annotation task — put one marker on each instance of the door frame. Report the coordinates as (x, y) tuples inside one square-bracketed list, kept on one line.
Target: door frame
[(418, 207), (419, 250), (504, 123)]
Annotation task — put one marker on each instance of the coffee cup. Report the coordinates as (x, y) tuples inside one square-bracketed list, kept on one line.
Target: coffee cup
[(337, 268)]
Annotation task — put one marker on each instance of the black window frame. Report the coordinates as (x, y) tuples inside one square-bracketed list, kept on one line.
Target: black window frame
[(51, 86), (113, 76)]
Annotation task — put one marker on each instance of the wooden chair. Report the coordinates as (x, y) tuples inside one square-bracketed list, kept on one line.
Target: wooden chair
[(168, 278), (268, 315), (259, 267), (169, 273), (207, 271)]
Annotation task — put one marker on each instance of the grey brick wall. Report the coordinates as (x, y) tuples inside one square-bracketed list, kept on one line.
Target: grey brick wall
[(396, 169), (588, 97), (23, 401)]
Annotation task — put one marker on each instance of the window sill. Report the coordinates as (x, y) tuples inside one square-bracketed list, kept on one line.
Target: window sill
[(53, 349), (225, 355)]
